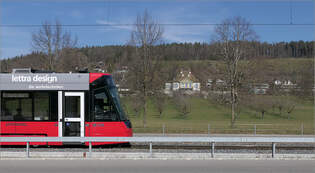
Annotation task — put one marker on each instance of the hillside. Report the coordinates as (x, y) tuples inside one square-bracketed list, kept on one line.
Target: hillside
[(203, 112)]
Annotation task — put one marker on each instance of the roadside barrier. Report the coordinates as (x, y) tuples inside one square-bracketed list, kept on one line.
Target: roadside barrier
[(151, 140)]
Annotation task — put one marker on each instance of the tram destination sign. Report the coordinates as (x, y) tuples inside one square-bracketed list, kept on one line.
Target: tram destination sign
[(44, 81)]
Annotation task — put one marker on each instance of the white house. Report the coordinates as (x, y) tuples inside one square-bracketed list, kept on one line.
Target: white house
[(184, 81)]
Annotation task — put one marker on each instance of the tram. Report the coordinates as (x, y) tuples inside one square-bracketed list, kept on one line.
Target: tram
[(44, 104)]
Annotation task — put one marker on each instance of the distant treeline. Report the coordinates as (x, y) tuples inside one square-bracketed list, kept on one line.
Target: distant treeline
[(175, 51), (205, 51)]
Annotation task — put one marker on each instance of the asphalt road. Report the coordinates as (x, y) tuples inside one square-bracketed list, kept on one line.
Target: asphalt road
[(157, 166)]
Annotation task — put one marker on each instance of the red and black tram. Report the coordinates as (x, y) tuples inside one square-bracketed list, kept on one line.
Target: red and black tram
[(34, 103)]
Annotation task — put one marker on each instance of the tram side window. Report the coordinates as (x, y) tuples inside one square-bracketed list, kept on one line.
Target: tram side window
[(41, 106), (16, 106), (103, 107), (29, 106)]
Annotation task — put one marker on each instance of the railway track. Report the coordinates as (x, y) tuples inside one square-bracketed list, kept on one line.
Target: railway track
[(174, 148)]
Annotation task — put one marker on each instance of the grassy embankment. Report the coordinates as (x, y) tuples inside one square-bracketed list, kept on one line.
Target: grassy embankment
[(204, 112)]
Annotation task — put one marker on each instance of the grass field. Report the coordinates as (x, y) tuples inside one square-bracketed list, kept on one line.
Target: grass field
[(204, 113)]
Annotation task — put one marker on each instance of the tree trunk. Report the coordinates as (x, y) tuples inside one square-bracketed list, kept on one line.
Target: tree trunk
[(145, 73), (144, 106), (262, 114), (233, 107), (144, 114)]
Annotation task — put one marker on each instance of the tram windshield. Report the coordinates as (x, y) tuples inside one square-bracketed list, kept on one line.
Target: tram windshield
[(107, 105)]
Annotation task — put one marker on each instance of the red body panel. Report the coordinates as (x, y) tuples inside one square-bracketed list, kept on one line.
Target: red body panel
[(7, 128), (34, 129), (94, 76), (107, 129), (50, 129)]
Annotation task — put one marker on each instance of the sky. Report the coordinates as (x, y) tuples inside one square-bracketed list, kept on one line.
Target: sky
[(276, 14)]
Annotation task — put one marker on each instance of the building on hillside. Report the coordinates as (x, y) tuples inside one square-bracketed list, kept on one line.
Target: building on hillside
[(185, 81), (213, 83), (121, 80), (285, 85), (260, 88), (99, 67), (265, 88)]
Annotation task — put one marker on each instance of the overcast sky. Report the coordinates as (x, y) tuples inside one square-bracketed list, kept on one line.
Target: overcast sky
[(17, 40)]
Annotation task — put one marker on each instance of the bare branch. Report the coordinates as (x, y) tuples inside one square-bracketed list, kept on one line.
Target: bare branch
[(50, 40)]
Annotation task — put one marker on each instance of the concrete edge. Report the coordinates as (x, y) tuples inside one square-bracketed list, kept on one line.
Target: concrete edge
[(148, 156)]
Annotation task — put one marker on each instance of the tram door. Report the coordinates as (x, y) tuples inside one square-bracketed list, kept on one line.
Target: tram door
[(70, 114)]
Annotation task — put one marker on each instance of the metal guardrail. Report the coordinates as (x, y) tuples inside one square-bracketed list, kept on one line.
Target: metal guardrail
[(250, 128), (151, 140)]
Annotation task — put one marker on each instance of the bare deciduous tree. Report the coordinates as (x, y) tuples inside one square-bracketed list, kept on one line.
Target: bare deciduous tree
[(51, 39), (284, 103), (182, 103), (71, 60), (289, 108), (136, 104), (306, 81), (160, 102), (144, 65), (259, 103), (232, 37), (3, 66)]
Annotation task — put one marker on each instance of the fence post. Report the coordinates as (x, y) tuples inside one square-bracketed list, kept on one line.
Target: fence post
[(90, 149), (212, 149), (27, 149), (163, 129), (273, 149), (209, 130), (151, 149), (255, 129), (302, 129)]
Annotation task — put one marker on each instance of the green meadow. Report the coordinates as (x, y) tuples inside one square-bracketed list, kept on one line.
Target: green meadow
[(205, 113)]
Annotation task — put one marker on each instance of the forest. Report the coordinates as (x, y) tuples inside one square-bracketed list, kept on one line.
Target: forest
[(114, 57)]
